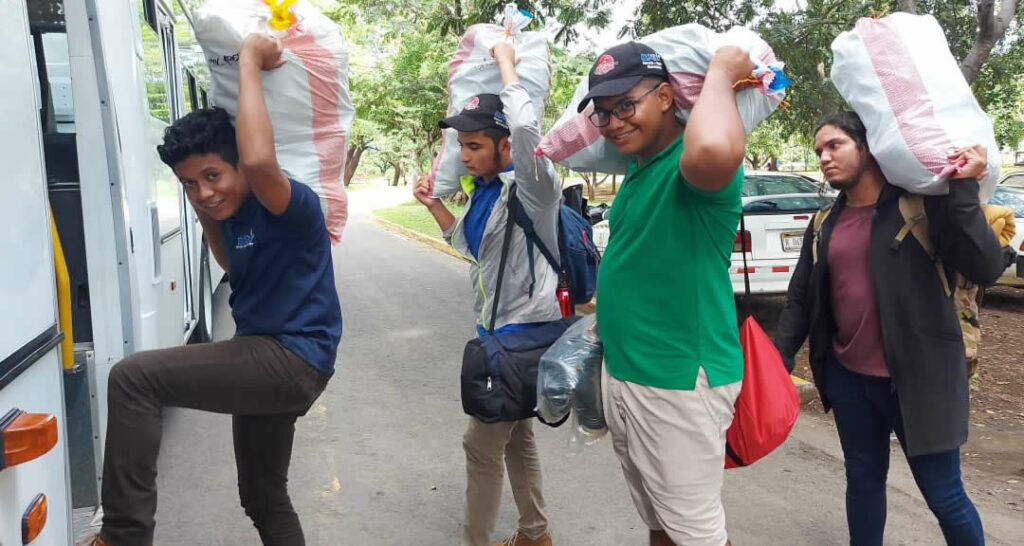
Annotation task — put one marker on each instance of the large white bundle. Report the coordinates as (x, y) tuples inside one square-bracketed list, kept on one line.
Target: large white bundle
[(473, 72), (308, 97), (898, 74), (687, 51)]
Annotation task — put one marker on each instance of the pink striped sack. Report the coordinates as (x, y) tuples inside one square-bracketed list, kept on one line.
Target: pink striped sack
[(473, 71), (687, 50), (898, 74), (308, 97)]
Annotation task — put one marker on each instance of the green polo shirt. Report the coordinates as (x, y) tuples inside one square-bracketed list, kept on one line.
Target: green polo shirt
[(665, 304)]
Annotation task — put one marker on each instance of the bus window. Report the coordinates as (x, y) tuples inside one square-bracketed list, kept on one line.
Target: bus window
[(153, 65), (191, 98)]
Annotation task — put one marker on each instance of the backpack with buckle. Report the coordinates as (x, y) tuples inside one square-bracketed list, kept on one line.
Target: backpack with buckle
[(964, 292), (578, 267), (499, 371)]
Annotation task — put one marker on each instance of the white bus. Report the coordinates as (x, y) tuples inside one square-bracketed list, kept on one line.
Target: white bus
[(88, 88)]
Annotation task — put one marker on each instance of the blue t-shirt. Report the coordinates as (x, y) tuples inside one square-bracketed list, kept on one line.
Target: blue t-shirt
[(485, 194), (282, 277)]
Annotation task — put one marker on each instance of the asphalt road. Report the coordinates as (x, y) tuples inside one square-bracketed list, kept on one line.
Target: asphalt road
[(379, 461)]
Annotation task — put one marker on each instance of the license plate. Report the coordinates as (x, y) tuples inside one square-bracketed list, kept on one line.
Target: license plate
[(792, 242)]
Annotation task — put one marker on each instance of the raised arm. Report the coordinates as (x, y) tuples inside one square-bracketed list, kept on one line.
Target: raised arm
[(257, 158), (539, 185), (962, 235), (714, 142)]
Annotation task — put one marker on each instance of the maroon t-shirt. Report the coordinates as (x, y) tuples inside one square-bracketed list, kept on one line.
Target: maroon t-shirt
[(858, 341)]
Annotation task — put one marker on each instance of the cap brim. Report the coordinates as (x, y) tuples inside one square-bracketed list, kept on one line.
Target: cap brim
[(610, 88), (462, 123)]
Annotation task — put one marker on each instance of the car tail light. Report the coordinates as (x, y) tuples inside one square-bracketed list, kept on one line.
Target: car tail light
[(34, 519), (742, 242), (26, 436)]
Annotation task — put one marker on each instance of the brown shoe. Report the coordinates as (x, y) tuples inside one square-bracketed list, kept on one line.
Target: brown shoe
[(519, 539)]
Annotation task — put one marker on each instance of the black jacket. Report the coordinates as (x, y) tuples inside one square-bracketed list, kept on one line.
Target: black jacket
[(924, 347)]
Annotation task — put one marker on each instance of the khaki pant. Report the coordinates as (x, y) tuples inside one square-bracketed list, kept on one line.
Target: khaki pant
[(671, 444), (486, 444)]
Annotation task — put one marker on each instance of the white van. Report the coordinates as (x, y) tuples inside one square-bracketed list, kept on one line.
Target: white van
[(89, 86)]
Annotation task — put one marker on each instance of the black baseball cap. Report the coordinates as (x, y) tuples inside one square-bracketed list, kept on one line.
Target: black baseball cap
[(621, 68), (481, 112)]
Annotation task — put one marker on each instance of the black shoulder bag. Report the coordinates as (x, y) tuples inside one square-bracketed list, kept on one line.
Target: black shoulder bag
[(499, 371)]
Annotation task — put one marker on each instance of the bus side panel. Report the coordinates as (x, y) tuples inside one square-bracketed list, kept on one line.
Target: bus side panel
[(26, 278), (37, 390)]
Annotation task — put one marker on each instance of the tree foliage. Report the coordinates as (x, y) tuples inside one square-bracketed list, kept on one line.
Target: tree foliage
[(982, 35)]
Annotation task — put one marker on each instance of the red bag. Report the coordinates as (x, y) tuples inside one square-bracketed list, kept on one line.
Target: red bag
[(768, 404)]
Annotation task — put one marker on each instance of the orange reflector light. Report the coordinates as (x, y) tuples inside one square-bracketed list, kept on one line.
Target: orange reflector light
[(27, 436), (34, 520), (780, 269), (743, 270), (802, 217)]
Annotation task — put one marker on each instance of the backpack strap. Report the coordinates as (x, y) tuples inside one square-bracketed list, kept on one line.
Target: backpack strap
[(819, 220), (501, 266), (915, 222), (523, 220)]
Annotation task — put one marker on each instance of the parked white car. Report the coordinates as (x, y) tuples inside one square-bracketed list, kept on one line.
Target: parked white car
[(1013, 197), (777, 208)]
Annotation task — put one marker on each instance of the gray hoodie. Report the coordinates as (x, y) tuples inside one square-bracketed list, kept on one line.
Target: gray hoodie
[(540, 192)]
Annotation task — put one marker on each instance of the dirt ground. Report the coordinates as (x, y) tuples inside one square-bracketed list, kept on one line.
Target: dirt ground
[(993, 458)]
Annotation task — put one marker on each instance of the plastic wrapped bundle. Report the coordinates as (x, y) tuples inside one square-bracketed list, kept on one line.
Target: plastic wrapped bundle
[(473, 71), (898, 74), (307, 98), (687, 51), (569, 376), (587, 406)]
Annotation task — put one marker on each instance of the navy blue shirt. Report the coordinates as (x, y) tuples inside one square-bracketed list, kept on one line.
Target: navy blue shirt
[(282, 277)]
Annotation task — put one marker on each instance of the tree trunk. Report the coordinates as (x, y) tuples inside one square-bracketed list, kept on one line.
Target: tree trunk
[(614, 182), (991, 27), (398, 174), (773, 163), (355, 153)]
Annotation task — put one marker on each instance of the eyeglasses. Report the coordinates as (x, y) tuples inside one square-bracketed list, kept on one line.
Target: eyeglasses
[(623, 110)]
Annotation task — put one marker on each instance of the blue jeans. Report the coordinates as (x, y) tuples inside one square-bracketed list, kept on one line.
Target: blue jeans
[(866, 409)]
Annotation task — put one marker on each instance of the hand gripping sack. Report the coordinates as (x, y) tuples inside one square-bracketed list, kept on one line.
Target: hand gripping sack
[(767, 406), (473, 71), (687, 51), (898, 74), (307, 98)]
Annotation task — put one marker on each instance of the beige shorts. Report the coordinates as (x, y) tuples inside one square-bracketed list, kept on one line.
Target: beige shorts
[(671, 444)]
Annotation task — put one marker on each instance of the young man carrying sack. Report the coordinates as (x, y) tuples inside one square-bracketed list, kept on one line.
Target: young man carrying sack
[(518, 314), (872, 293), (666, 313)]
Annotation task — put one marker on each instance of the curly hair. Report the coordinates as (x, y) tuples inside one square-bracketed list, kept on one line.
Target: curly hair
[(204, 131)]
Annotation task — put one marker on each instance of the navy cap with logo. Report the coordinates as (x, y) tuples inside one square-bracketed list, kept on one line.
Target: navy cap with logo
[(481, 112), (620, 69)]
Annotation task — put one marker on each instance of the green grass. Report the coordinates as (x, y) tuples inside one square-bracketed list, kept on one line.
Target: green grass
[(416, 217)]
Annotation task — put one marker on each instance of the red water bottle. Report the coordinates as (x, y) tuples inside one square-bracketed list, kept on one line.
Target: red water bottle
[(564, 302)]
